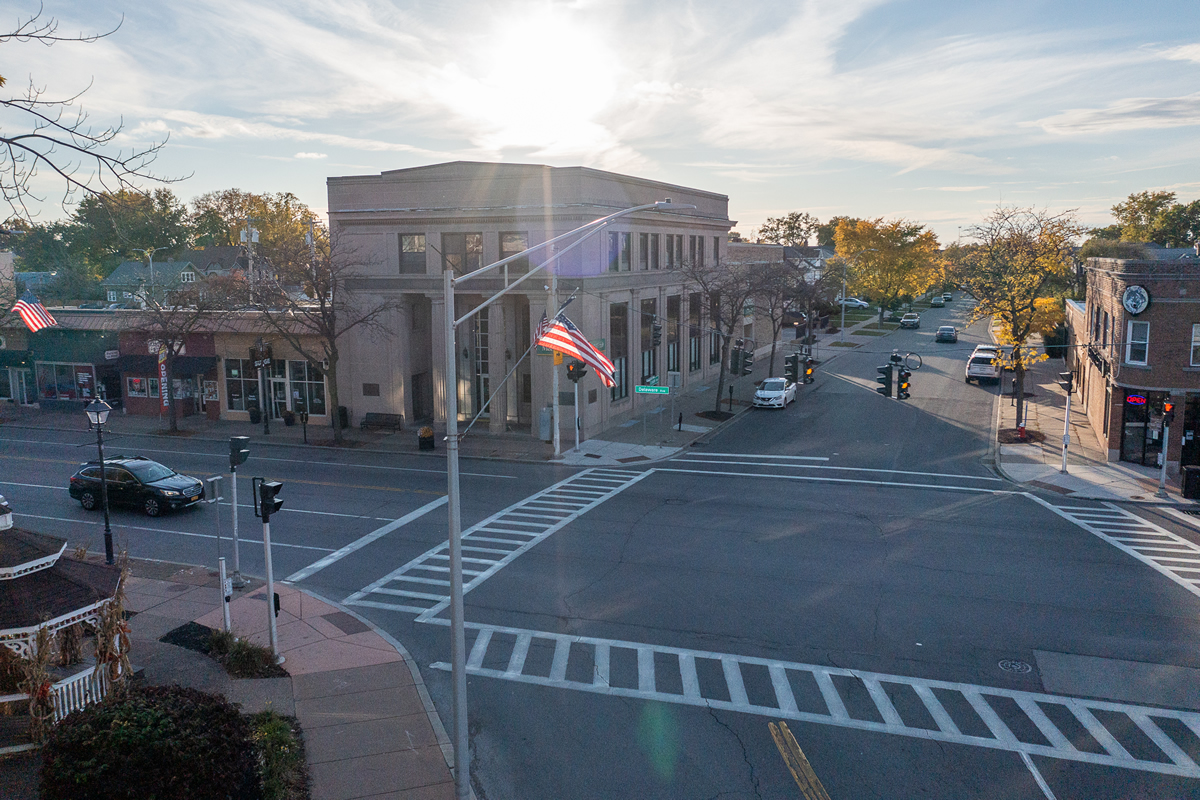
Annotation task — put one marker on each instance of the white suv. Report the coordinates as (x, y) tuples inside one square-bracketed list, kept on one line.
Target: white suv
[(983, 365)]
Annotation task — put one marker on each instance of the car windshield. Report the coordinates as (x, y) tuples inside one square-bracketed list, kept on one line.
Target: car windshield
[(773, 385), (946, 330), (910, 316), (149, 471)]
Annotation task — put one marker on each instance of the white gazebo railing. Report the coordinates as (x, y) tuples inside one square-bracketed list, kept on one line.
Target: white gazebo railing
[(79, 691)]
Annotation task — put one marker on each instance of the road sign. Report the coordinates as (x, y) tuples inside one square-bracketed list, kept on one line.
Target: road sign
[(640, 389), (652, 381)]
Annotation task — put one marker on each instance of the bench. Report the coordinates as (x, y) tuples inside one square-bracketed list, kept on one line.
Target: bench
[(373, 419)]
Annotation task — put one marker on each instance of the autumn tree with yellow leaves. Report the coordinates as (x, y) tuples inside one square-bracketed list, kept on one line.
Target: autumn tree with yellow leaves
[(887, 259), (1017, 255)]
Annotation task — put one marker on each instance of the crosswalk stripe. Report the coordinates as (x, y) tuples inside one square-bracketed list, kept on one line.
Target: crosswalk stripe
[(655, 661), (1157, 547), (483, 562)]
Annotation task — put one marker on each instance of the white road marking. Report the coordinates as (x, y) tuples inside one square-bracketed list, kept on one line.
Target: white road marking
[(845, 469), (655, 665), (823, 479), (1037, 776), (504, 528), (274, 543), (707, 454), (363, 541), (1115, 525)]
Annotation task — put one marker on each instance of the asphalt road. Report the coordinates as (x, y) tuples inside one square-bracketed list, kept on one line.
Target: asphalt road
[(799, 565)]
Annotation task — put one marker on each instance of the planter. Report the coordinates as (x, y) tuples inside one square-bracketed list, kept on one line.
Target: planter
[(255, 415), (289, 418), (425, 438)]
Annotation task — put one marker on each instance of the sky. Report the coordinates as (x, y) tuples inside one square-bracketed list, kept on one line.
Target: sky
[(931, 110)]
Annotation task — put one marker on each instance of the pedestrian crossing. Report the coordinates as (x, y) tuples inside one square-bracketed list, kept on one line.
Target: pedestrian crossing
[(814, 468), (422, 586), (1092, 731), (1168, 553)]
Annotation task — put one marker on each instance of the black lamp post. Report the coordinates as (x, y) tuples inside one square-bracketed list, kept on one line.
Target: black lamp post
[(97, 413)]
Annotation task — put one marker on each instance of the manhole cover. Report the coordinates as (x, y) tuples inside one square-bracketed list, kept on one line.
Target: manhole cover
[(1013, 665)]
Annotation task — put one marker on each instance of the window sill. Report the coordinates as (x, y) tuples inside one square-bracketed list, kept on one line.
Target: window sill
[(1134, 365)]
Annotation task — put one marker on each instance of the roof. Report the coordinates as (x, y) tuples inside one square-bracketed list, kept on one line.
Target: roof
[(132, 273), (19, 549), (222, 258), (50, 594), (35, 278)]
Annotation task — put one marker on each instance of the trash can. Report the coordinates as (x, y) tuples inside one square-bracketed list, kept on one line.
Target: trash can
[(1190, 482), (343, 417)]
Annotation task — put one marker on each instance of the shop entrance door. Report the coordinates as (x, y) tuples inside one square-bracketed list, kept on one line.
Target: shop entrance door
[(1141, 433), (26, 388), (279, 397)]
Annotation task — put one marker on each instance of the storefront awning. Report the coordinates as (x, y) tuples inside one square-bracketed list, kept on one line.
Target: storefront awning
[(184, 365), (14, 358)]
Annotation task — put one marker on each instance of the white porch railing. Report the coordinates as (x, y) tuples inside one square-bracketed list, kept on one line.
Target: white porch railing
[(79, 691)]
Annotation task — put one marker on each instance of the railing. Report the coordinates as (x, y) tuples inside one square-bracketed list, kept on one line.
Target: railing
[(79, 691)]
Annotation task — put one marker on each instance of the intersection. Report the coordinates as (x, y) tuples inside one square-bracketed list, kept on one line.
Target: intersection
[(850, 564)]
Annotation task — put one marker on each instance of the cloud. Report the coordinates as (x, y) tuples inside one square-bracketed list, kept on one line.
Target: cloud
[(1134, 113), (311, 155), (1187, 52)]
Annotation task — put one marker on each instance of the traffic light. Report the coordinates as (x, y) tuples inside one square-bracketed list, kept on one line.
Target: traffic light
[(1067, 381), (656, 333), (267, 352), (735, 361), (268, 500), (747, 362), (239, 450), (576, 369), (884, 379), (1168, 414), (810, 364), (896, 358), (791, 367), (254, 356), (902, 377)]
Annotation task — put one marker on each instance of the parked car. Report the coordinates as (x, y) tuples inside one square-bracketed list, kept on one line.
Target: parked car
[(946, 333), (947, 297), (910, 320), (775, 393), (983, 366), (937, 302), (1004, 351), (135, 481), (854, 302)]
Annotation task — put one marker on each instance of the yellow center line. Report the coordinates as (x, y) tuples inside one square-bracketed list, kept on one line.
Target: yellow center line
[(797, 763)]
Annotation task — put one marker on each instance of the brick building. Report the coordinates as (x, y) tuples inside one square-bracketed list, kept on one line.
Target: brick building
[(1134, 347)]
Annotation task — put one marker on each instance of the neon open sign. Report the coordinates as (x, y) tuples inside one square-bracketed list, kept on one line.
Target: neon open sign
[(1135, 400)]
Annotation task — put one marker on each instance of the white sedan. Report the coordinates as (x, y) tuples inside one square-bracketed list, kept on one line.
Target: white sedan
[(775, 393)]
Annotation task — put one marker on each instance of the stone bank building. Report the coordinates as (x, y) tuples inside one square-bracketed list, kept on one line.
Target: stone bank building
[(411, 224)]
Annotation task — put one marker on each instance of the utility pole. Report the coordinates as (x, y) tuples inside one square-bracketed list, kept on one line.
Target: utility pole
[(267, 502), (1067, 381), (552, 305), (250, 238), (239, 451)]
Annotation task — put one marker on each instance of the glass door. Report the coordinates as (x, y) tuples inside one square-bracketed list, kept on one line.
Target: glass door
[(26, 388)]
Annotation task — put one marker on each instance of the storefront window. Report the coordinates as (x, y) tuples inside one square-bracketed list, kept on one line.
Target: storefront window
[(1142, 427), (241, 384), (308, 388), (66, 381)]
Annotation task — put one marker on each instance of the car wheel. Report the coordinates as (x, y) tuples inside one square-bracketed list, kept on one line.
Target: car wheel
[(152, 507), (88, 501)]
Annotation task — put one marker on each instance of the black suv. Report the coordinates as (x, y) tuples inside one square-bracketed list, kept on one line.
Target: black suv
[(136, 481)]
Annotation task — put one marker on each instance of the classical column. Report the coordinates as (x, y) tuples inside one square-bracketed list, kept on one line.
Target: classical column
[(497, 366), (438, 361)]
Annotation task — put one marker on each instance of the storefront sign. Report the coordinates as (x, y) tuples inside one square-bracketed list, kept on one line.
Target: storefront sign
[(164, 388), (112, 355), (210, 391), (1135, 400)]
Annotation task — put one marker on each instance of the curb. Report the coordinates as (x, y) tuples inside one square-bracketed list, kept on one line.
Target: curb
[(439, 730)]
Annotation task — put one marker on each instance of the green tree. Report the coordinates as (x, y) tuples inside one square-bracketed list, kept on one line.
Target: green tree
[(793, 229), (827, 232), (1178, 225), (1139, 215), (889, 259), (121, 226), (1017, 254), (218, 218)]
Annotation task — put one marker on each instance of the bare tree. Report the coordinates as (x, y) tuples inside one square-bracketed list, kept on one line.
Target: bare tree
[(170, 317), (312, 306), (727, 288), (778, 284), (39, 132)]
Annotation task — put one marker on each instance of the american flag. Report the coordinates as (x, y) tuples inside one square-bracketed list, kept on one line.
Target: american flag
[(561, 335), (33, 314)]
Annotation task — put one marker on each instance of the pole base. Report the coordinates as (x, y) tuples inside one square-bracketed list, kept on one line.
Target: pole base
[(280, 659), (238, 581)]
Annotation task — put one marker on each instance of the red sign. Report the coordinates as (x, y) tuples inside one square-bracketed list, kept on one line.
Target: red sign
[(163, 384), (1135, 400)]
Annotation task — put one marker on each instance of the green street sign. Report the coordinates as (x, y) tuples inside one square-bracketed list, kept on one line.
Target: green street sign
[(652, 380), (640, 389)]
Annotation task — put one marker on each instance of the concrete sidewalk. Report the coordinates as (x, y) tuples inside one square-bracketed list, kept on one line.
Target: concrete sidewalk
[(370, 727), (1089, 473)]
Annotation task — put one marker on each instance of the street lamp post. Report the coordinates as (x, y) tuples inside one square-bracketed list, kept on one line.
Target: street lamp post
[(462, 779), (97, 413), (150, 251)]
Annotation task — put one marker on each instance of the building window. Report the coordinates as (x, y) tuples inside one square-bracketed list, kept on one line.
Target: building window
[(1196, 345), (308, 388), (187, 277), (370, 390), (112, 295), (412, 254), (696, 250), (65, 381), (241, 384), (674, 308), (618, 332), (1138, 346), (694, 301), (643, 251), (1104, 332), (716, 250), (462, 252), (654, 251), (674, 250), (618, 251), (714, 322), (511, 243), (649, 351)]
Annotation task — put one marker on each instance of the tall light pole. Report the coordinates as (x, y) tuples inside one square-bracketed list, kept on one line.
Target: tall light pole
[(150, 251), (458, 642), (97, 413)]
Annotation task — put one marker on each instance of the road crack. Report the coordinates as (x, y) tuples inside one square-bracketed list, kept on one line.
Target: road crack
[(745, 752)]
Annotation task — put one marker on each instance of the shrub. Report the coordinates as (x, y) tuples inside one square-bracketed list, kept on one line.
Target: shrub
[(154, 743), (282, 766)]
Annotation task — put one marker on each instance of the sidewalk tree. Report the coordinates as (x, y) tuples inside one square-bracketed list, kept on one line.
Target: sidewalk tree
[(53, 135), (172, 317), (888, 259), (218, 218), (112, 227), (312, 305), (727, 289), (1016, 256)]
